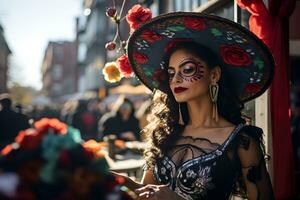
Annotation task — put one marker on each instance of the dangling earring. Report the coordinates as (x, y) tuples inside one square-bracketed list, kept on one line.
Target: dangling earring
[(213, 93), (180, 121)]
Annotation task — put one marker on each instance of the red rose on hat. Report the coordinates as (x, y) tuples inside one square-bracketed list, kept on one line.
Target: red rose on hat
[(235, 55), (124, 66), (150, 36), (140, 58), (193, 23), (138, 15), (252, 88)]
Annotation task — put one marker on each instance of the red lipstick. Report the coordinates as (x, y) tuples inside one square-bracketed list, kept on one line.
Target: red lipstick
[(179, 89)]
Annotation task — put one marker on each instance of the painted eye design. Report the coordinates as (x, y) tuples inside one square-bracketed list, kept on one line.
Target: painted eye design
[(171, 73), (188, 70)]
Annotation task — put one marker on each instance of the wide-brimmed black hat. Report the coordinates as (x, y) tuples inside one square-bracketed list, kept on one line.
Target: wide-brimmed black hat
[(244, 58)]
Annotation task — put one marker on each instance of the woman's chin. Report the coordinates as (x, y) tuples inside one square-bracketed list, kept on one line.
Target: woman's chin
[(180, 99)]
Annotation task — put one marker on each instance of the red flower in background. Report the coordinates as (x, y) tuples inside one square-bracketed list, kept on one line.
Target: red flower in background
[(252, 88), (150, 36), (194, 23), (29, 139), (138, 15), (235, 55), (124, 66), (140, 58)]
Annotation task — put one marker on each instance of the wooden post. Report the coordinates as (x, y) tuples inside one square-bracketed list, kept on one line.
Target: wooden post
[(263, 120)]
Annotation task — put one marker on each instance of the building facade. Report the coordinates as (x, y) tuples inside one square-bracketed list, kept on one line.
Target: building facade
[(4, 64), (59, 70)]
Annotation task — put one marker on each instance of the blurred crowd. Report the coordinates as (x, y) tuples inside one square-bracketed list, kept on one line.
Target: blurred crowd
[(62, 152), (94, 118)]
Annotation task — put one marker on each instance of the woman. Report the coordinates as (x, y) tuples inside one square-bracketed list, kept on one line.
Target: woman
[(202, 69), (121, 122)]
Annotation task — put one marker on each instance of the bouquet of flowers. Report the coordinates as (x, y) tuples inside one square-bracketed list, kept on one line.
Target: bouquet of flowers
[(51, 161)]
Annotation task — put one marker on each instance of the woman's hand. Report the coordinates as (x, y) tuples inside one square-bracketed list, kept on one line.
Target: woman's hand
[(156, 192), (129, 183)]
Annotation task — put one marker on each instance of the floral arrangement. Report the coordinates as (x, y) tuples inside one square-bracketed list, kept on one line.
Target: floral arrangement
[(51, 161), (137, 15)]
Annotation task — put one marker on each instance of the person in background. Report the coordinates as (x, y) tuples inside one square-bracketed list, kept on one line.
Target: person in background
[(121, 122), (85, 121), (67, 111), (11, 122)]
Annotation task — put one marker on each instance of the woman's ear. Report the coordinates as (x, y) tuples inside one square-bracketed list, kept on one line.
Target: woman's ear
[(215, 74)]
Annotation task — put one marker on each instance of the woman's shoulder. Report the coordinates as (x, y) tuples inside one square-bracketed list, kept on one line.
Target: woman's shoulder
[(251, 131), (249, 134)]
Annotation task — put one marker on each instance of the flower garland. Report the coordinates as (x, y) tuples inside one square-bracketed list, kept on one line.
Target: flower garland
[(137, 15), (52, 161)]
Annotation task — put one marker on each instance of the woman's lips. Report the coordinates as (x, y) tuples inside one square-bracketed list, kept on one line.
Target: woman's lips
[(180, 89)]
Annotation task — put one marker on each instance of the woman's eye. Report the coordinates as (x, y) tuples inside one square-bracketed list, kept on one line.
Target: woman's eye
[(171, 73), (188, 70)]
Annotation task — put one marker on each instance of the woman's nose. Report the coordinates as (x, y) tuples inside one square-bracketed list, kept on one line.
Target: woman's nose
[(177, 78)]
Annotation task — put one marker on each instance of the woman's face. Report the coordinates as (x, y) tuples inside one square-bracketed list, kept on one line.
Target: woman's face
[(189, 76), (126, 109)]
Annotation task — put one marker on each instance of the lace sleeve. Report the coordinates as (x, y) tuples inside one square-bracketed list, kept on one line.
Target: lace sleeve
[(254, 174)]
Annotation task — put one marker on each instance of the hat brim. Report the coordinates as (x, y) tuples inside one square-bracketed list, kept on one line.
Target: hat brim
[(242, 55)]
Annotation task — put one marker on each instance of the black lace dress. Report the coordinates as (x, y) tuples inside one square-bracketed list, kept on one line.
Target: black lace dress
[(196, 168)]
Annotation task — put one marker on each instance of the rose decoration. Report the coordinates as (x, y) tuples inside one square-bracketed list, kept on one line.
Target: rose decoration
[(193, 23), (235, 55), (124, 66), (137, 15), (111, 72), (246, 3), (252, 88), (150, 36), (141, 59)]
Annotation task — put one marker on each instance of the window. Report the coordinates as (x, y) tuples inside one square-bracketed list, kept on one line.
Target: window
[(57, 72)]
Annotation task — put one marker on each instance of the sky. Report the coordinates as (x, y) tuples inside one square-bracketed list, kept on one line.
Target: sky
[(28, 27)]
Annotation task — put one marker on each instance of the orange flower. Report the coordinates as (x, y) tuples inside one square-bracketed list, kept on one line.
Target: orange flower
[(120, 144), (92, 145), (111, 72), (6, 150), (55, 125)]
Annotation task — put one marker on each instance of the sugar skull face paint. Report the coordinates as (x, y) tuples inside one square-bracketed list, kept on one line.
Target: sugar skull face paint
[(189, 76), (189, 70)]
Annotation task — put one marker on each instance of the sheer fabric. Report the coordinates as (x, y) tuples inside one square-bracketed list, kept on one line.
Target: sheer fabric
[(196, 168)]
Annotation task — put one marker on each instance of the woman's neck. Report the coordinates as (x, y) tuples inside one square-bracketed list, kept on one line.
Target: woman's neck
[(200, 111)]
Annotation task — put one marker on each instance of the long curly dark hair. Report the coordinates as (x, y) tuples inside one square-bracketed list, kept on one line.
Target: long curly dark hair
[(164, 129)]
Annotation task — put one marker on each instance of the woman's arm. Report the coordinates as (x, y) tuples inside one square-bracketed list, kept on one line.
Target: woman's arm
[(148, 178), (255, 174), (148, 188)]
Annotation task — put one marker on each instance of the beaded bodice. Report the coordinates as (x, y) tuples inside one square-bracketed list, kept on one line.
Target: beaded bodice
[(197, 168)]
